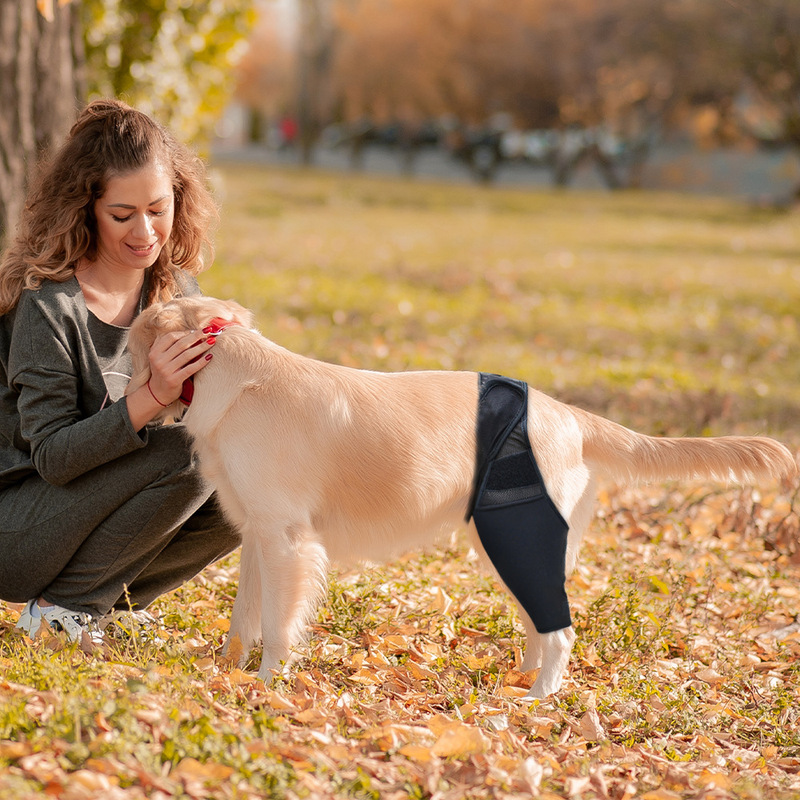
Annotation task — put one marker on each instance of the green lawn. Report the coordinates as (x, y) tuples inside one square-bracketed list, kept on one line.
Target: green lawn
[(671, 314)]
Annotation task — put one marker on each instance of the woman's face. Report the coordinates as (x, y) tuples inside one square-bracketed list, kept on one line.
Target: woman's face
[(134, 218)]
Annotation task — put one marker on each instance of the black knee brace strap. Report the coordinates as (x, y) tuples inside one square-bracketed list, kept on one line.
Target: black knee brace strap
[(519, 526)]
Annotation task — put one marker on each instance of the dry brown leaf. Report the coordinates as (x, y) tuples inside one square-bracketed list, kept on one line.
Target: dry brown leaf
[(11, 751), (238, 677), (192, 769), (460, 741), (442, 601), (395, 644), (420, 672), (366, 676), (709, 779), (590, 727), (312, 716), (710, 676), (514, 691), (235, 652), (531, 772), (41, 766), (541, 727), (416, 752), (661, 794), (93, 782)]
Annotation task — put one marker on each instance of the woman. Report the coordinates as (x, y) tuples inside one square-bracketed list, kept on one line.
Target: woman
[(98, 510)]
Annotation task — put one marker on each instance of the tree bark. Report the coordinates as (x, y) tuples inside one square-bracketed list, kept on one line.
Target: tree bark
[(41, 80)]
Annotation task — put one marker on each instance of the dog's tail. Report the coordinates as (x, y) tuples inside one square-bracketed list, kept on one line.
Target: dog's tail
[(624, 455)]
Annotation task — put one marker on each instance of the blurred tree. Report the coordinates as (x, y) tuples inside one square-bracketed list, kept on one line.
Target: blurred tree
[(649, 63), (266, 75), (41, 80), (622, 69), (417, 59), (315, 48), (765, 38), (171, 58)]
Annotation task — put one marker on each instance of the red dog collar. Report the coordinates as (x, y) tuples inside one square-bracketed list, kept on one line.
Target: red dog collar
[(214, 327)]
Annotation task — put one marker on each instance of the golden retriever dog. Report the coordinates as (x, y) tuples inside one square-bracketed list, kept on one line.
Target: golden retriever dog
[(317, 463)]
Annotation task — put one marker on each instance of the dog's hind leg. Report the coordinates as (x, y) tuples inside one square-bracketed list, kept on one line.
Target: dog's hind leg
[(552, 650), (533, 646), (548, 652), (555, 649), (246, 615)]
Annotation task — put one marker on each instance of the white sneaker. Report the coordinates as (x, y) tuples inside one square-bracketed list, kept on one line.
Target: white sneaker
[(126, 623), (77, 625), (30, 620)]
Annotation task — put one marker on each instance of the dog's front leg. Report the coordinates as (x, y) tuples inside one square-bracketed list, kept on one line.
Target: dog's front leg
[(555, 650), (286, 565), (246, 615)]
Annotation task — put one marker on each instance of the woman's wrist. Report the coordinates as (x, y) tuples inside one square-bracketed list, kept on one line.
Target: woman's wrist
[(143, 406), (153, 395)]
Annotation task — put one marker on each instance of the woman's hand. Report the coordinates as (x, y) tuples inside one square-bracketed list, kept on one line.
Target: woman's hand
[(174, 357)]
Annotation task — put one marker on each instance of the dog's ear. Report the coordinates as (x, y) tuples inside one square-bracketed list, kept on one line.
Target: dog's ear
[(146, 328), (143, 333)]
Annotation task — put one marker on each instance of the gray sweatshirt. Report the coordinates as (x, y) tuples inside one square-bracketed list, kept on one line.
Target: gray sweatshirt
[(63, 373)]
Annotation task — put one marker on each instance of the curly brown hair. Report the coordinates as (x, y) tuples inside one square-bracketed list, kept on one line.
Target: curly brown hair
[(58, 226)]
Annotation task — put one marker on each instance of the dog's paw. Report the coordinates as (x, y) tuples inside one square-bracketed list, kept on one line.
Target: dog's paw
[(543, 688), (267, 673), (531, 662)]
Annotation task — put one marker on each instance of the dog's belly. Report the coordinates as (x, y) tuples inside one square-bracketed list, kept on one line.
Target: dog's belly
[(349, 541)]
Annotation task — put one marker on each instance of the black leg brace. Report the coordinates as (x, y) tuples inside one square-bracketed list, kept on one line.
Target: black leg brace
[(519, 526)]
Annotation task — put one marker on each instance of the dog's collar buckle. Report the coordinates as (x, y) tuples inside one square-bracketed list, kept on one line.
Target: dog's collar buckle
[(215, 326), (219, 324)]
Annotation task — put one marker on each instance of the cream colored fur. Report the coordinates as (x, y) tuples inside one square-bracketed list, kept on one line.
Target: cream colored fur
[(316, 463)]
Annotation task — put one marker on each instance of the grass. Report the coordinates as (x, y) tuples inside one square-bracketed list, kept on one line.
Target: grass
[(668, 313)]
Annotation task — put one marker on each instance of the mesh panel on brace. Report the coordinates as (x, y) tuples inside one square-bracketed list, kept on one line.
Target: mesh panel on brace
[(510, 480)]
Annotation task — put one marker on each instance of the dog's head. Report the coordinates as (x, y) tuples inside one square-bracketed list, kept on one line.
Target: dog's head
[(180, 314)]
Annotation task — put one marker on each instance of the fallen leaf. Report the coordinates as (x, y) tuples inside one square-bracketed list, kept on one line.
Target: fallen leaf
[(192, 769), (711, 677), (11, 751), (590, 727), (714, 780), (661, 794), (460, 741), (416, 752), (531, 773), (235, 652)]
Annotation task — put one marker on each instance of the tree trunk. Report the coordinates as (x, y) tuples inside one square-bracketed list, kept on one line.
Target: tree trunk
[(313, 67), (41, 79)]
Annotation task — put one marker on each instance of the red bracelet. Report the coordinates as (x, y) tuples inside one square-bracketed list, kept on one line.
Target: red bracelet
[(163, 405)]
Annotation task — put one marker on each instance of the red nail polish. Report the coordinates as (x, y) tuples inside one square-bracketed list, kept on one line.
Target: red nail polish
[(211, 340), (209, 356), (207, 329)]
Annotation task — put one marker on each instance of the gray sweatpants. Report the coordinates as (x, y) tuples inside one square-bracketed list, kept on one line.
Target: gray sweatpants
[(119, 535)]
